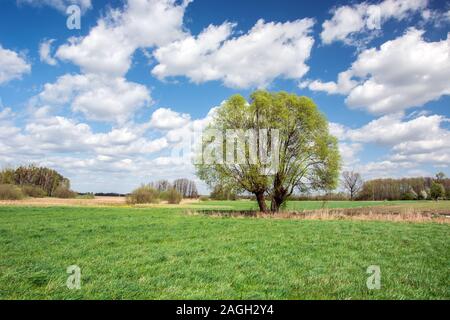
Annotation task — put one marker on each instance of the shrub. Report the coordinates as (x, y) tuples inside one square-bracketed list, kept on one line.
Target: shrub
[(33, 191), (143, 194), (223, 193), (64, 193), (437, 191), (7, 176), (164, 195), (423, 195), (410, 195), (10, 192), (203, 198), (173, 196)]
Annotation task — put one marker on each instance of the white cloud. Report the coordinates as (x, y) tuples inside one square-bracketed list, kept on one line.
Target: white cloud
[(186, 132), (349, 154), (269, 50), (97, 97), (410, 141), (45, 52), (403, 73), (109, 46), (60, 5), (5, 113), (391, 130), (344, 84), (120, 158), (12, 65), (165, 118), (348, 22)]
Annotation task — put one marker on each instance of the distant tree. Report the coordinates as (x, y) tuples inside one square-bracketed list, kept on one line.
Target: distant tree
[(352, 182), (440, 176), (437, 191), (161, 185), (221, 192), (409, 195), (7, 176), (422, 195), (45, 178), (187, 188)]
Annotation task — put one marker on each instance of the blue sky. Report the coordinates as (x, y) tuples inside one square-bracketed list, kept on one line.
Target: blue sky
[(107, 104)]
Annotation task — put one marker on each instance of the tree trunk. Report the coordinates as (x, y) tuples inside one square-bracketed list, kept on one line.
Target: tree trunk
[(276, 203), (261, 201)]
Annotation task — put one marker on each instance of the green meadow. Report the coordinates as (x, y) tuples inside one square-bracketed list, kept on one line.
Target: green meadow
[(165, 253)]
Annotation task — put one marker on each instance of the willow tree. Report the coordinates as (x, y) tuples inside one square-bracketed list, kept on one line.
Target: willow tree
[(282, 146)]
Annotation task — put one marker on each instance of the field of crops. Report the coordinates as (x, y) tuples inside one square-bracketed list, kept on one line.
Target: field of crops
[(166, 253)]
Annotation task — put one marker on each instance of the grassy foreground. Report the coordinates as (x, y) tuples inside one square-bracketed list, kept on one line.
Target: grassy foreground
[(157, 253)]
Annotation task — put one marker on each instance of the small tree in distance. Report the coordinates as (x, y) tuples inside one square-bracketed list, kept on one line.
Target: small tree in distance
[(352, 182), (437, 191)]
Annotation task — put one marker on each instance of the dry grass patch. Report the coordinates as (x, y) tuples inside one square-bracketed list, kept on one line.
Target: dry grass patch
[(49, 202), (392, 213)]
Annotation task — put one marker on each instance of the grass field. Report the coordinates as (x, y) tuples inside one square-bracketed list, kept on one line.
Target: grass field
[(163, 253), (313, 205)]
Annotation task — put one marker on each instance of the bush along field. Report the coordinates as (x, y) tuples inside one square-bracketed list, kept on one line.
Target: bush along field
[(161, 253)]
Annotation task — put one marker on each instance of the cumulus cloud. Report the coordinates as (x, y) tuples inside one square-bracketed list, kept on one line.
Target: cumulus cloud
[(97, 97), (410, 141), (121, 157), (5, 113), (403, 73), (60, 5), (109, 46), (165, 119), (348, 22), (45, 52), (254, 59), (12, 65)]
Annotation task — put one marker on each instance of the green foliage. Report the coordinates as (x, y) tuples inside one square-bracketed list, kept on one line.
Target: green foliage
[(33, 191), (409, 195), (7, 176), (423, 195), (10, 192), (396, 189), (64, 192), (143, 194), (173, 196), (437, 191), (203, 198), (221, 192), (308, 155), (45, 178)]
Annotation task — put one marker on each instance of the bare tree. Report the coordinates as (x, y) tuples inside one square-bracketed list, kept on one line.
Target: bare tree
[(352, 182), (161, 185), (186, 187)]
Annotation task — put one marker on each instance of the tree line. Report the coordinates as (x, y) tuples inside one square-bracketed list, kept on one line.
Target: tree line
[(187, 188), (172, 192), (35, 181), (419, 188)]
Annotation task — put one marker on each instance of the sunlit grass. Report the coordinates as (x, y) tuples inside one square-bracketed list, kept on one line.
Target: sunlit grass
[(156, 253)]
